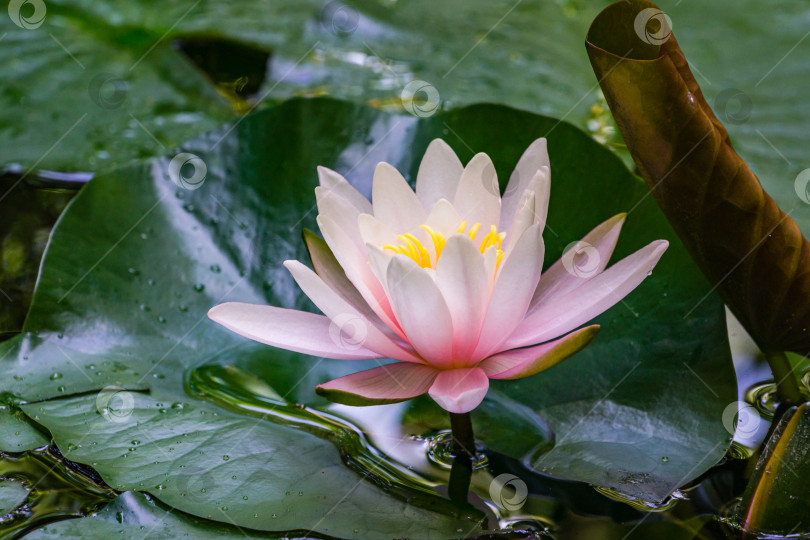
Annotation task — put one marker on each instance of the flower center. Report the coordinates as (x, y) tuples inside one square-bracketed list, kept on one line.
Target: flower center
[(412, 247)]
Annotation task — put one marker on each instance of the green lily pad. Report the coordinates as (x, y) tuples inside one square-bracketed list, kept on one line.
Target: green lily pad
[(132, 515), (16, 432), (231, 468), (118, 326), (12, 495)]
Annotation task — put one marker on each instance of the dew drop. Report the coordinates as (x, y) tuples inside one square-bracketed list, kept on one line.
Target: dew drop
[(199, 287), (55, 376)]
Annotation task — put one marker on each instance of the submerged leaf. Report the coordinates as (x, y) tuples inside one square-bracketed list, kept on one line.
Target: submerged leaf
[(778, 497), (753, 253)]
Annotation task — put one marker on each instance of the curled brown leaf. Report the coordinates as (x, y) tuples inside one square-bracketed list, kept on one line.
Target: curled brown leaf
[(753, 253)]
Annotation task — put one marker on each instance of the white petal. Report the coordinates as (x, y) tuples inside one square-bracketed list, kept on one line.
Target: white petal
[(394, 202), (586, 259), (444, 218), (478, 196), (329, 269), (523, 220), (421, 311), (354, 261), (334, 182), (375, 232), (289, 329), (339, 210), (564, 313), (533, 159), (516, 281), (464, 283), (378, 261), (439, 173)]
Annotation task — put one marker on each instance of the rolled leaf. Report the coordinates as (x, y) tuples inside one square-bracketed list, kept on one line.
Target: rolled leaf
[(753, 253), (777, 499)]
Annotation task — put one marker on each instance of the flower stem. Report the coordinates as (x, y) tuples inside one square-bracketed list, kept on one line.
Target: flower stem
[(462, 430), (787, 388), (464, 452)]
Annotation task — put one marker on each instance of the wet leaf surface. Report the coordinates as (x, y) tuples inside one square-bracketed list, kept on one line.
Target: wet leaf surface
[(136, 262)]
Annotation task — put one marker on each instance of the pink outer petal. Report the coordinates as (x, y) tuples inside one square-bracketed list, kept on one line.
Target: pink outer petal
[(438, 174), (289, 329), (570, 271), (385, 384), (345, 317), (579, 306), (460, 390), (520, 363), (516, 280)]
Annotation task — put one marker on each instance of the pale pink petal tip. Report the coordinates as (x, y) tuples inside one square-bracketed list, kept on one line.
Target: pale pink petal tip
[(460, 390)]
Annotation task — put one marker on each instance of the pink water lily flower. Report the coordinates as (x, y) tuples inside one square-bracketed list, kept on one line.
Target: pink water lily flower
[(445, 280)]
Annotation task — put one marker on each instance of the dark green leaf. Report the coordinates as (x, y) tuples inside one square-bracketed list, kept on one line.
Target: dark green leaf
[(133, 515), (136, 262)]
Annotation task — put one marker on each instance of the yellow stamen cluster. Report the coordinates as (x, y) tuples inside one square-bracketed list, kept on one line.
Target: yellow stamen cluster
[(413, 247)]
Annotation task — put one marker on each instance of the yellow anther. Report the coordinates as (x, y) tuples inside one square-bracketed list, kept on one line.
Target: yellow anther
[(395, 249), (414, 248), (410, 249), (474, 231), (438, 240), (423, 256)]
